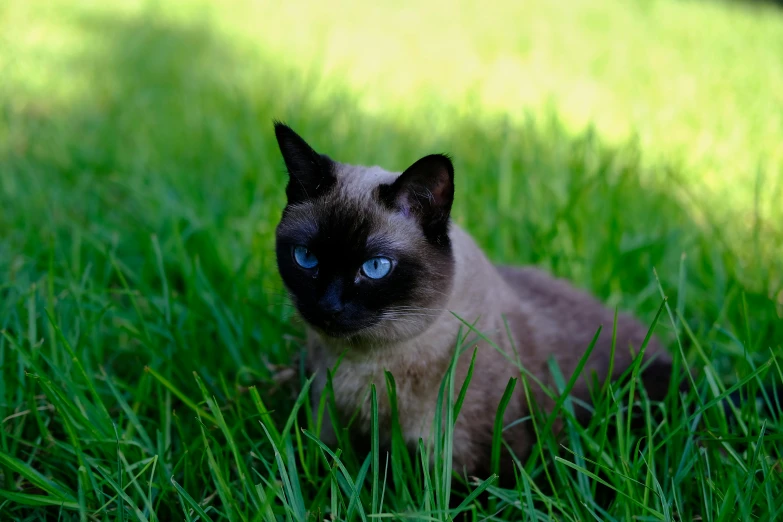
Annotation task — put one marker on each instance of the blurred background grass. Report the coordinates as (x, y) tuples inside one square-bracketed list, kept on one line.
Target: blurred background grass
[(148, 117), (140, 183)]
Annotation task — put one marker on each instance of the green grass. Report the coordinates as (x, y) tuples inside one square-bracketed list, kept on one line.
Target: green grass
[(149, 356)]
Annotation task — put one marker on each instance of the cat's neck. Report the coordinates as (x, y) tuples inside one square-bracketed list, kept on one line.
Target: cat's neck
[(478, 288)]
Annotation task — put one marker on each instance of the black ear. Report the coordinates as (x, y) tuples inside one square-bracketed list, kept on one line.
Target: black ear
[(309, 174), (425, 191)]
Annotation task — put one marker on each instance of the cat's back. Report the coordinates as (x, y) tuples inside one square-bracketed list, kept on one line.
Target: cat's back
[(567, 318), (552, 295)]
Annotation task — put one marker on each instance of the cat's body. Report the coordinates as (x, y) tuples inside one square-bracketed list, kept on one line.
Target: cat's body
[(546, 317), (406, 323)]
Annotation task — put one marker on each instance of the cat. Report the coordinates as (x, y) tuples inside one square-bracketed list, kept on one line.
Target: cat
[(384, 280)]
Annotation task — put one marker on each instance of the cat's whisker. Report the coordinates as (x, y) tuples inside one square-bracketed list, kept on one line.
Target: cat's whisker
[(403, 307), (413, 312), (408, 318), (413, 309), (411, 320), (416, 310)]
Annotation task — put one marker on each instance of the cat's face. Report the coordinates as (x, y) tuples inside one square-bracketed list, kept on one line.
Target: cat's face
[(364, 253)]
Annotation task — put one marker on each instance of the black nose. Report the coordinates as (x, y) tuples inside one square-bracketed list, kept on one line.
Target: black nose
[(332, 309), (331, 303)]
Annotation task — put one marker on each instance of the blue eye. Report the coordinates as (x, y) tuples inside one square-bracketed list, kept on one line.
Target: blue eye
[(377, 267), (304, 257)]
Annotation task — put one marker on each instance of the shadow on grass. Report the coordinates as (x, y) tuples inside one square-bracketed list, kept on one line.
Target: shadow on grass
[(168, 165)]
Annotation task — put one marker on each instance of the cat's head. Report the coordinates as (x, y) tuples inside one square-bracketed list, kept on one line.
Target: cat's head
[(365, 253)]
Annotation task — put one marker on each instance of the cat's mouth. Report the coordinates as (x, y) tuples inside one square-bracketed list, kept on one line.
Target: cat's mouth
[(339, 328)]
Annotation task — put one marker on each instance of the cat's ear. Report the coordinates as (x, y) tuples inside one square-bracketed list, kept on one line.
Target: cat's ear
[(309, 174), (426, 191)]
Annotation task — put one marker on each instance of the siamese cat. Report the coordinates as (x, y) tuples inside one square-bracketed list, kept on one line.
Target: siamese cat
[(384, 280)]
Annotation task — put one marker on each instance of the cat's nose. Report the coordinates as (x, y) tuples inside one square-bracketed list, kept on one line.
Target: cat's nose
[(332, 309), (331, 303)]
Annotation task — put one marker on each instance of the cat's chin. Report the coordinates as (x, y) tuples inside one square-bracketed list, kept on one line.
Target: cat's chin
[(355, 338), (341, 334), (345, 332), (378, 334), (370, 331)]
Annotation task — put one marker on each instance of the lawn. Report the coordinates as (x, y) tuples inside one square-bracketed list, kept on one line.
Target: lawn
[(149, 357)]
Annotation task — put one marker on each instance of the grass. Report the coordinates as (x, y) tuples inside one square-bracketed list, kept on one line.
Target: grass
[(148, 355)]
